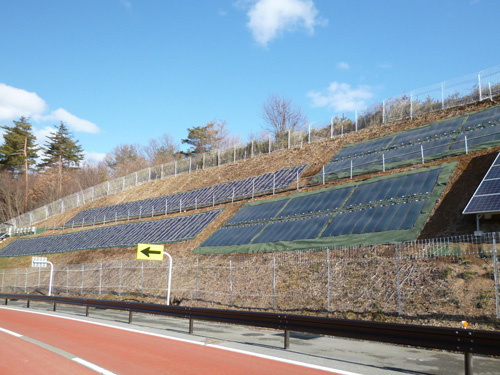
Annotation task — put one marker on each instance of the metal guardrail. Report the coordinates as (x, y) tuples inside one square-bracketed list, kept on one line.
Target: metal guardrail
[(460, 340)]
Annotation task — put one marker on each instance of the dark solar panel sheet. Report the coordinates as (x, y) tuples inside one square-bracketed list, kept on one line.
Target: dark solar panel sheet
[(376, 219), (258, 212), (485, 117), (295, 229), (314, 203), (476, 137), (231, 236), (433, 130), (486, 199), (394, 188), (363, 148)]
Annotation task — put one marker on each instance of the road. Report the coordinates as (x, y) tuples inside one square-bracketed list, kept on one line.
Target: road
[(71, 343)]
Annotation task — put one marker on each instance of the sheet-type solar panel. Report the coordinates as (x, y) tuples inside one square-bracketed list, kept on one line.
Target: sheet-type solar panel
[(294, 229), (258, 212), (364, 147), (435, 129), (477, 136), (484, 117), (486, 198), (315, 203), (428, 148), (232, 236), (397, 216), (394, 188), (157, 231)]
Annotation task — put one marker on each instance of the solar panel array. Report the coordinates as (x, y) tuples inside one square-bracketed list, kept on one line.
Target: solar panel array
[(190, 199), (417, 145), (393, 203), (486, 198), (130, 234)]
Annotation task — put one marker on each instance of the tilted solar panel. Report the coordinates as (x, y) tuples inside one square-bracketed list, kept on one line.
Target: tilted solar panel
[(484, 117), (486, 198), (157, 231), (231, 236)]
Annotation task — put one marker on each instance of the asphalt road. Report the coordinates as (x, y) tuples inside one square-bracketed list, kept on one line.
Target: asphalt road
[(319, 353)]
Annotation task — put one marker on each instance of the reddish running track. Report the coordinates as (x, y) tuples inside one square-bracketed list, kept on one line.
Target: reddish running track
[(119, 351)]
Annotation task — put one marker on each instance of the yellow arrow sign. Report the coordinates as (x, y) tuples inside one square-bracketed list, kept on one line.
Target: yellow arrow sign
[(149, 252)]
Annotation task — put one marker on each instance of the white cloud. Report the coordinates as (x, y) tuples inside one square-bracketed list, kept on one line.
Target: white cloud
[(43, 134), (343, 65), (93, 157), (342, 97), (75, 123), (270, 18), (15, 102)]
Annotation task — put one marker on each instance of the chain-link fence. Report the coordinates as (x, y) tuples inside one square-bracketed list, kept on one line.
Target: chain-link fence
[(455, 276), (471, 88)]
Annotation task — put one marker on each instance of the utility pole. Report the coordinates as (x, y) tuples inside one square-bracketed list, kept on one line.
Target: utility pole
[(26, 173)]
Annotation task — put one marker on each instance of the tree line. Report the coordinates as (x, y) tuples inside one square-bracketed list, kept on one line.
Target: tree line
[(33, 175)]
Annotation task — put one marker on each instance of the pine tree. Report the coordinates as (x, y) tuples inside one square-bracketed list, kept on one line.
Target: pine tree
[(13, 156), (62, 150)]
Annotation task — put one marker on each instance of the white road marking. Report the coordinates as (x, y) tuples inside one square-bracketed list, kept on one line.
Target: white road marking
[(10, 332), (93, 367)]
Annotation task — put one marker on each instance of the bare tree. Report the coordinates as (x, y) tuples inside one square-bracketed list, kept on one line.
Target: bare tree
[(161, 150), (11, 196), (125, 159), (280, 116)]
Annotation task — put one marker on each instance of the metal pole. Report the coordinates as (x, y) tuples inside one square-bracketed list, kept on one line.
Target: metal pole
[(328, 290), (411, 106), (479, 84), (169, 276), (383, 162), (83, 274), (422, 152), (323, 172), (231, 280), (495, 263), (288, 138), (51, 277), (142, 279), (466, 145), (351, 169), (397, 280), (274, 282)]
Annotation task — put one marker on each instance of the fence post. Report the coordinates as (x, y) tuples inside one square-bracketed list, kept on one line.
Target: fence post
[(120, 281), (328, 289), (466, 145), (422, 152), (197, 272), (351, 169), (479, 84), (397, 280), (83, 272), (495, 263), (289, 138), (442, 95), (142, 279), (274, 282), (100, 278), (411, 106), (231, 280)]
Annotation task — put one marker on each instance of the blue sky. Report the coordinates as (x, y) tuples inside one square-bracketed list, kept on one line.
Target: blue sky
[(126, 71)]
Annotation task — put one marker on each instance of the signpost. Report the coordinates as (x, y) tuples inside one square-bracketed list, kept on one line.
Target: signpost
[(42, 262), (155, 252)]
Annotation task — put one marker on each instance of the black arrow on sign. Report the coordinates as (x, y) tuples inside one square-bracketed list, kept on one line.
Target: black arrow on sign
[(148, 251)]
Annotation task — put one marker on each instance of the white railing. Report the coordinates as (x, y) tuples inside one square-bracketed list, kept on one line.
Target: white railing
[(471, 88)]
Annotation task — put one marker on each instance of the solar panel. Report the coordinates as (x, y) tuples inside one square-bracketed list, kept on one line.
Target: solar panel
[(397, 216), (477, 137), (189, 199), (394, 188), (157, 231), (315, 203), (435, 129), (364, 147), (258, 212), (486, 198), (231, 236), (290, 230), (481, 118)]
